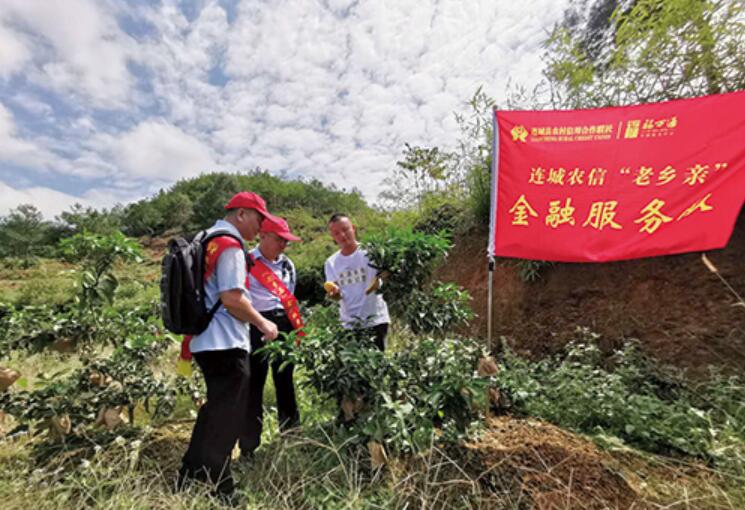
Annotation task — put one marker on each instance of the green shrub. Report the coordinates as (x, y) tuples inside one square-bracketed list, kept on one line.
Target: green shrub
[(123, 379), (438, 309), (309, 286), (479, 192), (33, 328), (402, 399), (408, 256), (98, 253), (440, 218), (21, 263), (628, 396)]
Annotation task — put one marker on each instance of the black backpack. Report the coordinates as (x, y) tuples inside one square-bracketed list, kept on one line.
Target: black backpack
[(182, 297)]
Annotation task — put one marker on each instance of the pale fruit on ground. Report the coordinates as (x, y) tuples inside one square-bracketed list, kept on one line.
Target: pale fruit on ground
[(487, 366), (495, 397), (351, 407), (63, 345), (7, 377), (111, 417), (60, 426), (378, 456), (98, 379)]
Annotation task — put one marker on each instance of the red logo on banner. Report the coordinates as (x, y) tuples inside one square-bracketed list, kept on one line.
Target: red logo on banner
[(618, 183)]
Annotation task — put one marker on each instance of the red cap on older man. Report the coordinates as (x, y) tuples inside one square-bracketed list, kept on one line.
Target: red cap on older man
[(280, 227)]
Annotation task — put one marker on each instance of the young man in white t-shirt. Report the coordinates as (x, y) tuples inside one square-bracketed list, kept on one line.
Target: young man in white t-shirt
[(360, 307)]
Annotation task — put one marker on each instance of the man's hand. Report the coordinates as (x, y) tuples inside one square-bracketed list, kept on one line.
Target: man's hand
[(269, 329), (332, 290), (241, 308), (374, 285), (378, 281)]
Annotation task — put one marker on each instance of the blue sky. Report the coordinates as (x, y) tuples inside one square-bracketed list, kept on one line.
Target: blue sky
[(106, 101)]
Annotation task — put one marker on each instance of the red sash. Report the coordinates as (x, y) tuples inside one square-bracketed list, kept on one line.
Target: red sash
[(263, 274), (276, 286)]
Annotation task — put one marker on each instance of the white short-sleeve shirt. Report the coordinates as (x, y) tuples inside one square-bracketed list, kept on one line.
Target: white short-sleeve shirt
[(224, 331), (262, 298), (353, 274)]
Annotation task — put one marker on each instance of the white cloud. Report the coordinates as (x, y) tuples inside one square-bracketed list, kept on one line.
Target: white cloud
[(89, 52), (52, 202), (330, 90), (13, 51), (32, 104), (18, 151), (157, 151)]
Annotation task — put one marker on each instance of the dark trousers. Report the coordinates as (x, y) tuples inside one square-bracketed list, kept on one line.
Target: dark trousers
[(250, 436), (220, 419), (376, 333)]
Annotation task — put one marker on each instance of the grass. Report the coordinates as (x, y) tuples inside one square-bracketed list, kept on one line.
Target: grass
[(316, 466), (313, 468), (36, 368), (53, 282), (48, 282)]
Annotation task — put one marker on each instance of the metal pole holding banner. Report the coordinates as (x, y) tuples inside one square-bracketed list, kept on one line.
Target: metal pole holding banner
[(490, 300), (492, 228)]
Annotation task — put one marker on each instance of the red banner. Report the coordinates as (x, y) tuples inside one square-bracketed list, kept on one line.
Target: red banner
[(618, 183)]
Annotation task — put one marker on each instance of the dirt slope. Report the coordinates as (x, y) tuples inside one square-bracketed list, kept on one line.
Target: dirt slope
[(552, 468), (680, 312)]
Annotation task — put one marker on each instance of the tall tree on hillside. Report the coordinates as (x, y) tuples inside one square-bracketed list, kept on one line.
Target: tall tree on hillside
[(422, 171), (142, 218), (23, 232), (177, 210), (615, 52), (80, 218), (210, 205)]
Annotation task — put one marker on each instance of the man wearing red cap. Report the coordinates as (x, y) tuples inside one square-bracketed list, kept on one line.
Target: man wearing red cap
[(222, 350), (271, 287)]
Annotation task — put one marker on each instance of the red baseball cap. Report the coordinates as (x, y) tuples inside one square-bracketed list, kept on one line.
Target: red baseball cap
[(280, 227), (249, 200)]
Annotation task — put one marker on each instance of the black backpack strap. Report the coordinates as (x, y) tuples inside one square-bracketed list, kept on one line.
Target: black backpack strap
[(219, 233), (213, 310)]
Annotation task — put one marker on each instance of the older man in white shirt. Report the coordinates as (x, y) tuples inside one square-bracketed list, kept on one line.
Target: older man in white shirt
[(271, 288)]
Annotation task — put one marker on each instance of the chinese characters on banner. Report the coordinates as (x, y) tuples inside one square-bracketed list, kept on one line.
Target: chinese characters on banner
[(618, 183)]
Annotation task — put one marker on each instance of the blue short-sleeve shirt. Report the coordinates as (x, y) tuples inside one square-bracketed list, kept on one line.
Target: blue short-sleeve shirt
[(224, 331)]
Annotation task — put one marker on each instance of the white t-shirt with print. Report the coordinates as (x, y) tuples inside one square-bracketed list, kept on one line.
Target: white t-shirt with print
[(352, 273)]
